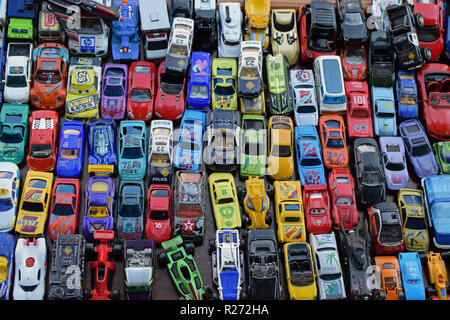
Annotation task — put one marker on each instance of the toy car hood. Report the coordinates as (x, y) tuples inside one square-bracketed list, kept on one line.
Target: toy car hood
[(129, 228), (429, 11)]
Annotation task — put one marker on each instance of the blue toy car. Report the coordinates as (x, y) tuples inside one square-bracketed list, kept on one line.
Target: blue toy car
[(199, 85), (383, 109), (132, 149), (411, 273), (102, 150), (22, 9), (406, 95), (125, 33), (188, 150), (308, 154), (71, 149), (7, 247)]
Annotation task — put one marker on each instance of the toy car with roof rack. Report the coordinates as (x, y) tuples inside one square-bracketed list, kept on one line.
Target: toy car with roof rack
[(256, 203), (253, 146), (102, 150), (284, 40), (132, 149), (13, 132), (229, 21), (160, 152), (125, 36), (130, 209), (113, 102), (9, 192), (7, 245)]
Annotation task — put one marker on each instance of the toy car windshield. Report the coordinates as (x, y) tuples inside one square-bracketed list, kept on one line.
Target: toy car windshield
[(41, 151)]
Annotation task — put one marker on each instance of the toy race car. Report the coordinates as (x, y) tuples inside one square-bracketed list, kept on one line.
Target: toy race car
[(256, 22), (130, 209), (354, 63), (125, 31), (9, 193), (224, 83), (141, 90), (250, 70), (359, 115), (388, 275), (278, 93), (253, 146), (392, 150), (334, 141), (317, 208), (113, 103), (102, 150), (158, 225), (442, 154), (132, 149), (284, 40), (199, 85), (437, 275), (179, 46), (7, 245), (256, 202), (160, 151), (71, 149)]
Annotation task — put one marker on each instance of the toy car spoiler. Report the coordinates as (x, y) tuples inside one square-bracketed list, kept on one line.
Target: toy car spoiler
[(172, 243), (101, 169), (104, 234)]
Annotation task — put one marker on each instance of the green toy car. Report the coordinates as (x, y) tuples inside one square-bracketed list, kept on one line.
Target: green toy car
[(253, 146), (224, 80), (278, 94), (442, 153), (21, 29), (177, 257), (13, 132)]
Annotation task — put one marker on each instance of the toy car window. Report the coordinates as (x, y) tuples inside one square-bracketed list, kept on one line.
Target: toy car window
[(358, 113), (36, 183), (415, 223), (142, 69), (331, 83), (306, 109), (10, 137), (5, 204), (333, 100), (308, 162), (254, 125), (254, 149), (395, 166), (129, 210), (225, 200), (413, 200), (284, 27), (353, 19), (292, 207), (159, 215), (354, 56), (115, 91), (412, 129), (139, 95), (16, 81), (154, 45), (170, 85), (160, 160), (48, 77), (132, 153), (178, 51), (199, 92), (428, 33), (6, 175), (91, 25), (62, 210), (281, 126), (344, 201), (281, 151), (421, 150), (69, 154), (390, 283), (13, 118), (224, 72), (390, 233), (249, 73), (333, 124), (393, 148), (32, 206), (335, 143), (65, 188), (115, 72), (159, 193), (371, 178), (50, 53)]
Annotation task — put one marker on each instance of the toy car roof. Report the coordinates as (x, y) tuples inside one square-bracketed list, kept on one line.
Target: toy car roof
[(322, 14)]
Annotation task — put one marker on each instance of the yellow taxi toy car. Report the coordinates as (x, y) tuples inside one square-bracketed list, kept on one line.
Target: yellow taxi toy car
[(224, 200), (256, 204), (34, 203), (280, 153), (437, 275), (289, 211)]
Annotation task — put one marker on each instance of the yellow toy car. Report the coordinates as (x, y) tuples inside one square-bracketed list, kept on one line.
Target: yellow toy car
[(280, 153), (257, 16), (284, 34), (437, 276), (256, 106), (34, 203), (224, 84), (224, 200), (410, 204), (300, 275), (289, 211)]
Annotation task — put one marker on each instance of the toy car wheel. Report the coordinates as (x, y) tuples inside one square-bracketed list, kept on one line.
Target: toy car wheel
[(243, 296), (89, 250), (419, 20), (117, 252), (211, 246), (426, 53), (242, 244), (270, 190), (115, 295), (401, 295), (268, 219), (86, 294), (163, 260), (189, 247), (241, 193)]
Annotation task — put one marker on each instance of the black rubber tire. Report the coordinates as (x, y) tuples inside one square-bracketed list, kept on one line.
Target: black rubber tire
[(420, 21), (211, 246), (189, 247), (162, 260), (426, 54)]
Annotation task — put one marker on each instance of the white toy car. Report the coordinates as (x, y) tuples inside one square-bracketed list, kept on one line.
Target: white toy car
[(160, 151), (17, 80), (91, 39), (327, 266), (30, 269), (227, 262), (180, 46), (229, 32), (9, 190), (250, 83), (306, 110)]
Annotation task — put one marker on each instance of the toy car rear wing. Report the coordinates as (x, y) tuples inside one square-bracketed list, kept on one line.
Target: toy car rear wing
[(101, 169), (104, 234), (172, 243)]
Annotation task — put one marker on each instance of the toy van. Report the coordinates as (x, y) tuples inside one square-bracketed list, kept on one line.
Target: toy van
[(229, 33), (155, 28), (199, 86)]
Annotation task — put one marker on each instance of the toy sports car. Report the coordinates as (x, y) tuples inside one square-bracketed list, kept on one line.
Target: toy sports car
[(256, 201), (306, 109), (437, 275), (132, 149), (280, 152), (284, 38), (130, 209), (253, 146), (334, 142), (125, 32), (7, 244), (354, 63), (71, 149), (158, 225), (102, 151), (9, 192), (317, 208), (278, 93), (114, 91), (359, 115), (160, 151), (13, 132), (406, 95), (141, 90), (411, 273), (392, 152), (442, 154), (224, 84)]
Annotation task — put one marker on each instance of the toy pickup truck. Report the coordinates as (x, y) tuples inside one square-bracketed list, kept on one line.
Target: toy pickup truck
[(18, 72)]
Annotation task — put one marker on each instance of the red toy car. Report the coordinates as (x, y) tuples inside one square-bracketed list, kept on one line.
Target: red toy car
[(159, 208), (430, 26), (341, 186), (44, 130), (317, 209), (170, 97), (64, 207), (433, 81), (359, 115), (354, 63), (141, 90)]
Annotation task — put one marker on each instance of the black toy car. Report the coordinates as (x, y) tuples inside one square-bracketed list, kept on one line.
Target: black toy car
[(263, 265), (369, 171), (381, 60), (66, 273), (205, 31), (181, 9), (353, 22), (408, 54)]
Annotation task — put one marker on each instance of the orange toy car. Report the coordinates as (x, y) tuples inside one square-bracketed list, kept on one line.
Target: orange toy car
[(334, 144), (388, 272)]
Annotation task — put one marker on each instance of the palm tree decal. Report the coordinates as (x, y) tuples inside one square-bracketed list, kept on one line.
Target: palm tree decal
[(331, 259)]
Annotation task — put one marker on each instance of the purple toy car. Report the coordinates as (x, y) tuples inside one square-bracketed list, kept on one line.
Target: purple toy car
[(99, 195), (394, 162), (114, 88), (418, 148)]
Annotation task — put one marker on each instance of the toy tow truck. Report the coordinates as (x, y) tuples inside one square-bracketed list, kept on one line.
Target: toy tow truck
[(437, 275), (256, 23)]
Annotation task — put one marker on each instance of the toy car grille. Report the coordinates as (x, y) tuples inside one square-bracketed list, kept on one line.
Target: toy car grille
[(43, 123), (191, 264)]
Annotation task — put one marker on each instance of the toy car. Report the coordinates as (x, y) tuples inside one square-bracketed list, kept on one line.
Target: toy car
[(341, 187), (43, 134), (318, 30), (100, 8), (181, 8), (17, 79), (304, 97), (383, 111), (7, 243), (141, 90), (333, 140), (393, 157), (256, 202), (253, 146), (13, 132), (9, 192), (205, 30), (189, 205), (102, 150), (381, 60), (125, 32), (388, 274), (139, 263), (256, 22), (406, 95), (159, 213), (284, 40), (130, 210), (418, 148), (188, 149), (113, 102), (353, 22), (30, 269), (222, 137), (229, 32), (317, 208), (199, 85), (354, 63), (49, 28), (21, 29), (278, 94), (2, 54), (224, 84), (308, 154), (99, 203), (359, 115), (83, 89), (179, 46), (263, 265), (64, 207), (160, 152), (411, 272), (224, 200), (442, 154), (49, 78), (437, 275), (289, 211), (327, 266), (132, 149), (177, 257), (250, 70), (71, 149), (280, 155), (170, 96), (227, 261), (22, 9), (67, 268), (34, 203)]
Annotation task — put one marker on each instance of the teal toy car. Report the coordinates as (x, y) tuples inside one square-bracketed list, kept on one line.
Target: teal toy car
[(253, 146), (13, 132), (132, 149), (442, 153)]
